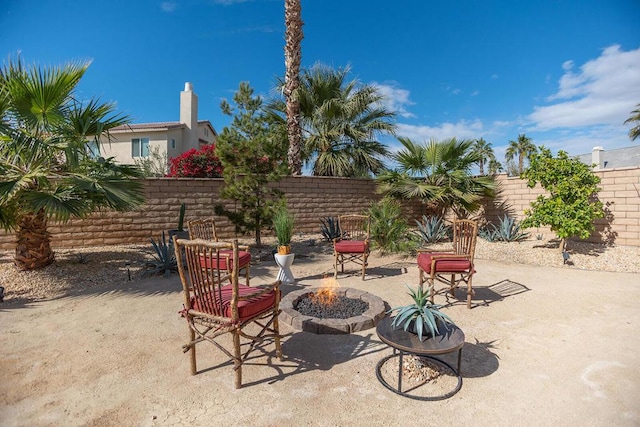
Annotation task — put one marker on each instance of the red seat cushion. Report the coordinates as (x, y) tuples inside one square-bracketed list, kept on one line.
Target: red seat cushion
[(246, 308), (352, 246), (244, 260), (443, 265)]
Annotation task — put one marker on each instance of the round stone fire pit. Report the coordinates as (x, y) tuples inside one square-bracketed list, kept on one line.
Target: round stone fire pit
[(316, 325)]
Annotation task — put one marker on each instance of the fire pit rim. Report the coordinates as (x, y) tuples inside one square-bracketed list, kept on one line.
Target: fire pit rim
[(316, 325)]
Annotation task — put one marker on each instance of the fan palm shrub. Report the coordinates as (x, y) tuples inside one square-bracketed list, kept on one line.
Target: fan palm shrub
[(47, 169)]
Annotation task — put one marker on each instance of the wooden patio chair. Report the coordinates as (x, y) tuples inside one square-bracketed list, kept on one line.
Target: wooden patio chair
[(444, 266), (353, 243), (206, 229), (214, 307)]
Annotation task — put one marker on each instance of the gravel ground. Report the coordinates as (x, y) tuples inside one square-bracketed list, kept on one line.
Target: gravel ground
[(79, 270)]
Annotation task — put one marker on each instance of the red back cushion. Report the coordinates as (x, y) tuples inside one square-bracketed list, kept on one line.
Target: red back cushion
[(244, 259)]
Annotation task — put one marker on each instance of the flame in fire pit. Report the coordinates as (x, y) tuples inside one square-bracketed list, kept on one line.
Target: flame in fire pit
[(327, 294)]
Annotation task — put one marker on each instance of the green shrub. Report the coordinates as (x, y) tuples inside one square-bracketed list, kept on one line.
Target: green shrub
[(389, 230)]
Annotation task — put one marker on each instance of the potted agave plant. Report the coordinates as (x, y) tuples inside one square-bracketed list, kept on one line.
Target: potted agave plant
[(421, 317)]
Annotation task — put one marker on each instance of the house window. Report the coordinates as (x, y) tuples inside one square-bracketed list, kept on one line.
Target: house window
[(173, 144), (140, 147), (206, 132), (93, 150)]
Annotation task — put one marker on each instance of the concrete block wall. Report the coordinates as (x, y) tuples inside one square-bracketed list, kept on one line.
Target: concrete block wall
[(312, 198)]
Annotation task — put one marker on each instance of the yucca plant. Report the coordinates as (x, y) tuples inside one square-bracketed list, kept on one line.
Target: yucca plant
[(421, 316), (329, 228), (164, 258), (432, 229)]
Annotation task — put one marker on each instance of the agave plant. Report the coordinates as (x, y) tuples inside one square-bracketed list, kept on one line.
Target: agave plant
[(164, 258), (432, 229), (508, 231), (329, 228), (421, 316)]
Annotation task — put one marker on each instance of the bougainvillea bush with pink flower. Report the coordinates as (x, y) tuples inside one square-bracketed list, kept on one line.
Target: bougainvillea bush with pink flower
[(202, 163)]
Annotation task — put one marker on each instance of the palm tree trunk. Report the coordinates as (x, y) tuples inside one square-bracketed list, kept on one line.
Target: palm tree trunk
[(292, 59), (33, 248)]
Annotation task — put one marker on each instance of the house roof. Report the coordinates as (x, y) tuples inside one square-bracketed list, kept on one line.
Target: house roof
[(616, 158), (158, 126)]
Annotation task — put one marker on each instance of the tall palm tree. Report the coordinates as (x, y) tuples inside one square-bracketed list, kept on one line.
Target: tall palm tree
[(341, 121), (485, 153), (438, 173), (46, 172), (523, 148), (634, 132), (292, 59)]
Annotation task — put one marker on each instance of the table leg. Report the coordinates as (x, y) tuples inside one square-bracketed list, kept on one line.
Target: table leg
[(400, 371), (459, 359)]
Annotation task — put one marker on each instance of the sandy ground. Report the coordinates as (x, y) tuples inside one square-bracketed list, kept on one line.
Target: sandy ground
[(543, 346)]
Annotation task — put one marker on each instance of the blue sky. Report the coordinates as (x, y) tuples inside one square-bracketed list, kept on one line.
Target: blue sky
[(565, 73)]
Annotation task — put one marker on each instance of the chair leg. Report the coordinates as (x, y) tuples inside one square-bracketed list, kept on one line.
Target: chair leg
[(432, 286), (276, 329), (469, 291), (335, 266), (192, 350), (237, 360), (453, 285), (247, 274)]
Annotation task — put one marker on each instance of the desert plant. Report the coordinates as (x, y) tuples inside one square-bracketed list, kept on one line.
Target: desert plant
[(432, 229), (283, 223), (330, 228), (389, 229), (508, 231), (183, 209), (421, 315), (164, 258)]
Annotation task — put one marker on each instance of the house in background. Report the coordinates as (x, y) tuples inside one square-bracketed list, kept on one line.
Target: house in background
[(136, 141), (612, 159)]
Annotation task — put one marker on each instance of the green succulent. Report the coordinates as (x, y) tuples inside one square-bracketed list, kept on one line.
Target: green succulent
[(426, 315)]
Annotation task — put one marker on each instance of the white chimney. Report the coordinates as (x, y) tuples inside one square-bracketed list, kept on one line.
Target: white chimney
[(597, 157), (189, 116)]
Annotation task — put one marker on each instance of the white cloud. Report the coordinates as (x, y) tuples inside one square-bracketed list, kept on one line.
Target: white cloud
[(602, 92), (395, 98), (168, 6), (463, 129)]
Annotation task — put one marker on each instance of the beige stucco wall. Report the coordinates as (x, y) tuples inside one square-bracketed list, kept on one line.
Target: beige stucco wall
[(313, 198)]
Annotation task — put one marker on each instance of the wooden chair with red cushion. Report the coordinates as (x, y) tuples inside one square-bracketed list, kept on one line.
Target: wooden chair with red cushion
[(353, 243), (216, 304), (206, 229), (444, 266)]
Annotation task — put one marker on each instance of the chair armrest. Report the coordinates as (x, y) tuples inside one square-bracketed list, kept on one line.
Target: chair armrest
[(243, 248), (428, 251)]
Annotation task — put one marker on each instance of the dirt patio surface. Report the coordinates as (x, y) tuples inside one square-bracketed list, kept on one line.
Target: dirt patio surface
[(543, 346)]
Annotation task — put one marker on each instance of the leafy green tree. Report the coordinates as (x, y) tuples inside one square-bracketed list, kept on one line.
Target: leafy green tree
[(438, 173), (571, 207), (523, 148), (252, 157), (47, 171), (634, 132), (341, 121), (485, 153)]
